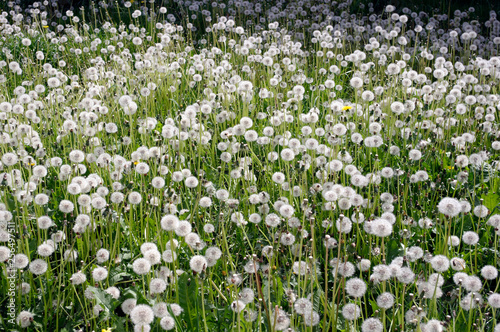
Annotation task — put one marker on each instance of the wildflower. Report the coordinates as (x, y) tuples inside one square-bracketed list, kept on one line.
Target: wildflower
[(489, 272), (246, 295), (169, 256), (141, 266), (147, 246), (471, 238), (198, 263), (113, 291), (76, 156), (176, 309), (471, 301), (302, 306), (66, 206), (9, 159), (117, 197), (415, 155), (167, 323), (356, 82), (142, 314), (20, 261), (142, 168), (272, 220), (134, 198), (405, 275), (345, 269), (372, 325), (440, 263), (45, 250), (472, 284), (44, 222), (355, 287), (287, 239), (24, 319), (238, 306), (128, 305), (481, 211), (494, 300), (466, 206), (286, 210), (287, 154), (351, 311), (78, 278), (251, 266), (160, 309), (191, 182), (99, 273), (205, 202), (157, 286), (4, 254), (209, 228), (38, 266), (432, 325), (193, 240), (169, 222), (311, 318), (300, 268), (449, 207), (381, 227), (381, 272), (153, 256), (385, 300)]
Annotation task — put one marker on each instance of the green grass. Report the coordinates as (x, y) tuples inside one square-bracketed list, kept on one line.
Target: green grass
[(69, 118)]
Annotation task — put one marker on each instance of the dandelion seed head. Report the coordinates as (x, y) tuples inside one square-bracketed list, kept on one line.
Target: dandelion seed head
[(355, 287), (141, 266), (157, 286), (440, 263), (351, 311), (99, 273), (142, 314), (433, 325), (238, 306), (489, 272), (20, 261), (183, 228), (78, 278), (372, 325), (25, 319), (198, 263), (494, 300), (167, 323), (471, 238), (385, 300), (450, 207), (38, 266), (481, 211)]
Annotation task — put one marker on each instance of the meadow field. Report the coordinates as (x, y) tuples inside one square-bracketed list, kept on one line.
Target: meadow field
[(233, 165)]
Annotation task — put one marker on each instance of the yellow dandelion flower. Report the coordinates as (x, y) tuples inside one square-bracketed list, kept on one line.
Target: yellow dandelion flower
[(345, 108)]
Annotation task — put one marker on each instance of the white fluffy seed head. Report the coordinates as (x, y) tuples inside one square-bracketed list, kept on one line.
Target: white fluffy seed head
[(198, 263)]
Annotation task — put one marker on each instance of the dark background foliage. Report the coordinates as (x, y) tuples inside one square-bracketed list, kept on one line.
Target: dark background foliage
[(482, 7)]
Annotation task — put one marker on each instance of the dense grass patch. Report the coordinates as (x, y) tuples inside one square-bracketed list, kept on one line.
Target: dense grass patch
[(248, 166)]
